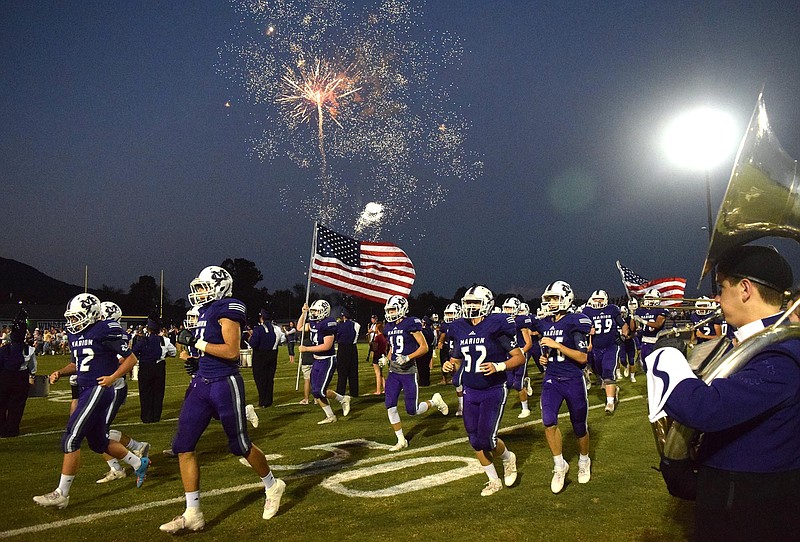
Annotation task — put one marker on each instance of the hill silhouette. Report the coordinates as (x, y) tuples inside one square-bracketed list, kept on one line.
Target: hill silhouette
[(21, 282)]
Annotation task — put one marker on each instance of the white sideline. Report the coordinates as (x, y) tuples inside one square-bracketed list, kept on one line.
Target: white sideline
[(324, 465)]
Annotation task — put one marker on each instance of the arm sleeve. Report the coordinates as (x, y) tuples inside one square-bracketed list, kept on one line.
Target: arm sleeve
[(763, 384)]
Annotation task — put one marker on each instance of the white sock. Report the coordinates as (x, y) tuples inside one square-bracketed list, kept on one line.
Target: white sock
[(134, 445), (461, 403), (524, 404), (506, 455), (399, 435), (193, 501), (583, 459), (491, 472), (268, 480), (132, 460), (422, 407), (610, 399), (113, 464), (558, 460), (339, 397), (65, 483), (328, 410)]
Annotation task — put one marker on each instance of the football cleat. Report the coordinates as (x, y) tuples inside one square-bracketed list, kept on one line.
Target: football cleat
[(633, 379), (491, 487), (111, 476), (526, 383), (54, 498), (525, 413), (143, 451), (169, 453), (610, 408), (459, 413), (141, 472), (439, 403), (328, 419), (304, 401), (559, 475), (619, 375), (185, 522), (345, 405), (510, 470), (399, 446), (273, 500), (584, 471), (250, 413), (627, 371)]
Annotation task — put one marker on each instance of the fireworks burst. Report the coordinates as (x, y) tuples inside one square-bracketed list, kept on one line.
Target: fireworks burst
[(387, 132)]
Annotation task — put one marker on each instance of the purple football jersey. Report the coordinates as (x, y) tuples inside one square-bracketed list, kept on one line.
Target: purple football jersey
[(607, 323), (488, 341), (401, 339), (319, 330), (209, 329), (571, 330), (95, 350), (522, 321), (649, 314)]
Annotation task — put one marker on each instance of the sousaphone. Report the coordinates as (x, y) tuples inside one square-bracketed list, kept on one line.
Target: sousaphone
[(761, 201)]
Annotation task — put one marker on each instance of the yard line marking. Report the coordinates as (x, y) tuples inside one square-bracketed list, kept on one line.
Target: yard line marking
[(324, 465)]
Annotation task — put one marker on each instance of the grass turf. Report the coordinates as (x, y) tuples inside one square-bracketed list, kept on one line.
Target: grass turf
[(351, 491)]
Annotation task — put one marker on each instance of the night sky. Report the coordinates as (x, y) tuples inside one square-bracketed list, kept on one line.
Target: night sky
[(118, 151)]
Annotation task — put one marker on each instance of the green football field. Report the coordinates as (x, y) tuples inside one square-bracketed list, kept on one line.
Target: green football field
[(342, 481)]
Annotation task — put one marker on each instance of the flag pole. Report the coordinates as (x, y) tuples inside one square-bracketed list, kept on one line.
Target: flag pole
[(308, 293)]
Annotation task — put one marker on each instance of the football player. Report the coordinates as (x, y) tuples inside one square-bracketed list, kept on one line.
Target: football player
[(217, 389), (322, 328), (564, 345), (516, 377), (406, 344), (485, 345), (650, 318), (631, 345), (95, 344), (451, 313), (609, 331), (711, 329), (111, 311)]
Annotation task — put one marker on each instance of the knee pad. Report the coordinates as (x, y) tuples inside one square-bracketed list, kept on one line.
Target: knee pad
[(114, 435), (394, 416), (579, 429)]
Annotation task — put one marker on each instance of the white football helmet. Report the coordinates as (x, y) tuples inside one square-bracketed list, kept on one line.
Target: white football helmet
[(452, 312), (558, 296), (623, 310), (705, 306), (598, 299), (633, 304), (511, 306), (110, 311), (319, 310), (212, 283), (524, 309), (191, 318), (435, 317), (82, 311), (396, 308), (651, 298), (478, 301)]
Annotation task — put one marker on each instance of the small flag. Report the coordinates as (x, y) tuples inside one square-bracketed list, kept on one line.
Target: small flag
[(374, 271), (636, 285)]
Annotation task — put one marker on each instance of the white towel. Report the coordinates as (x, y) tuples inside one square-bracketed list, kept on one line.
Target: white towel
[(666, 368)]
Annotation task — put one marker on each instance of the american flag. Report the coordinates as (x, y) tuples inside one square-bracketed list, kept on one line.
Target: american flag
[(374, 271), (636, 285)]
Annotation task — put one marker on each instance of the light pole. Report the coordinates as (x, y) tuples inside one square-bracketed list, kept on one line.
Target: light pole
[(701, 139)]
